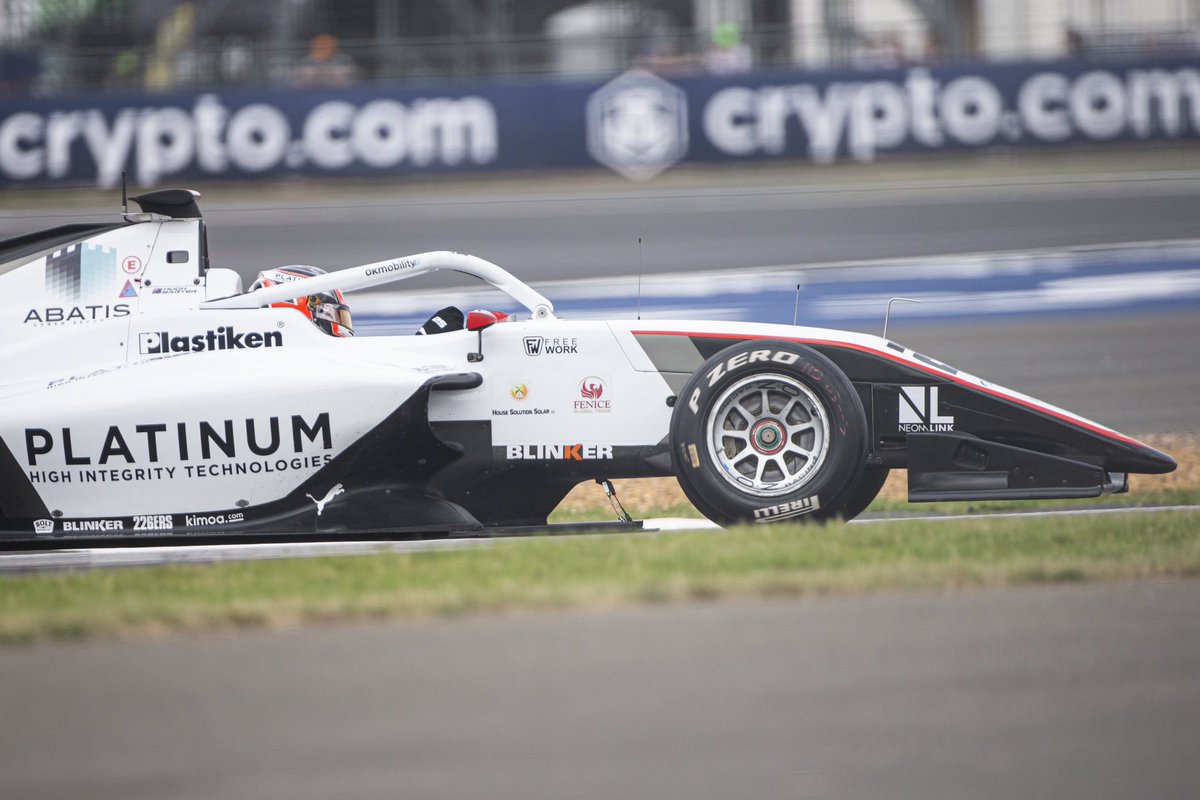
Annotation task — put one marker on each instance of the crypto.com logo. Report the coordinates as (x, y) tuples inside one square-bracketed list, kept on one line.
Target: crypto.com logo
[(637, 125)]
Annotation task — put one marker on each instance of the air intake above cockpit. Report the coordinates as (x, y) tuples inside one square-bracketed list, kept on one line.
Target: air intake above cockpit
[(174, 203)]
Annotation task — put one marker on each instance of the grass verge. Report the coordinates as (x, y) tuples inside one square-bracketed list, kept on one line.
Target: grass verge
[(1189, 497), (896, 506), (603, 571)]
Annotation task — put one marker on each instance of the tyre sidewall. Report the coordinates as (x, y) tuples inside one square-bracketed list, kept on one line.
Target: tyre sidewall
[(819, 497)]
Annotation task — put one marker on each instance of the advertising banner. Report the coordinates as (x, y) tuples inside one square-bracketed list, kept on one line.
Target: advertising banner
[(637, 124)]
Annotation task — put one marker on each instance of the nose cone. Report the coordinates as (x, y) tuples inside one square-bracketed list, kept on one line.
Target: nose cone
[(1144, 458)]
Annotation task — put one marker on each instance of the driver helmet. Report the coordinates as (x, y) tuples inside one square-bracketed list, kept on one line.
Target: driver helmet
[(327, 310)]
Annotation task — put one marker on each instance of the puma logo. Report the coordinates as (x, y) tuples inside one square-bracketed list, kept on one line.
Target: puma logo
[(332, 493)]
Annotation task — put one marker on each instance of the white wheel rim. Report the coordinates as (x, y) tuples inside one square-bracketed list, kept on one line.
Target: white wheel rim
[(768, 435)]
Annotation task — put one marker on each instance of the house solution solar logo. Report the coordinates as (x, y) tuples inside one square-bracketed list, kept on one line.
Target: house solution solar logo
[(223, 338)]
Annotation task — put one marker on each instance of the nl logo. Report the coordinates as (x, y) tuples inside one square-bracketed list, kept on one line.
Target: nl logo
[(920, 410)]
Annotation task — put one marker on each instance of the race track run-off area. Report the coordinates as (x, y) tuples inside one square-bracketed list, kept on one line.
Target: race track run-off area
[(1070, 693)]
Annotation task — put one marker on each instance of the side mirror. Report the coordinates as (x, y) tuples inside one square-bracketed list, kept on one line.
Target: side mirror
[(480, 321)]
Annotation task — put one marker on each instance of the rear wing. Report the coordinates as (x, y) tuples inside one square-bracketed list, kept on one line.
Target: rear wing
[(397, 269)]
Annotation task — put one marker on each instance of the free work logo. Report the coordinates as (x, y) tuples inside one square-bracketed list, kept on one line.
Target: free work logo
[(551, 345)]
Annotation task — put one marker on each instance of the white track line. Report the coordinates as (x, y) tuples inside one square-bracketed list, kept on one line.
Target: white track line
[(687, 524), (1074, 512), (92, 558)]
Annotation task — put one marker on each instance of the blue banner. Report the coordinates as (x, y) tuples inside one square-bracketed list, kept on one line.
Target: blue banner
[(637, 124)]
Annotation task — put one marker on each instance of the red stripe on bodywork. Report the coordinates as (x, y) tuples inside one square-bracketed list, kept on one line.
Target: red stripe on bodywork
[(919, 366)]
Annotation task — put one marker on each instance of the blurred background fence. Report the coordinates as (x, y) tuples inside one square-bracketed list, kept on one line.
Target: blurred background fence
[(162, 89), (50, 47)]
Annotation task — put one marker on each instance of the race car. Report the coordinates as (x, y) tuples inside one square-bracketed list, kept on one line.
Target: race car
[(146, 393)]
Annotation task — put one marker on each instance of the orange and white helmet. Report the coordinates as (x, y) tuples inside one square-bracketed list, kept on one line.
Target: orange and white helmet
[(327, 310)]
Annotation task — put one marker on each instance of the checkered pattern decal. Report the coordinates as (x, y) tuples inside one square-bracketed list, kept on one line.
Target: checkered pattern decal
[(62, 273), (82, 273)]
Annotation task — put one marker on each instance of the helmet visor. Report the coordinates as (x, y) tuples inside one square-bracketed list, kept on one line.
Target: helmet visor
[(336, 313)]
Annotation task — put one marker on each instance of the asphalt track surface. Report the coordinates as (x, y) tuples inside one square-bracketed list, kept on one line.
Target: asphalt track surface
[(559, 234), (1043, 692), (576, 226)]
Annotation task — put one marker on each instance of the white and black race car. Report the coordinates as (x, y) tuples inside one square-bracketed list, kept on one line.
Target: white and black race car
[(144, 392)]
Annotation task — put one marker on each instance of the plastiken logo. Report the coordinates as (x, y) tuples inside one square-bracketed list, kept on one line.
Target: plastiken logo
[(637, 125), (223, 338), (919, 410)]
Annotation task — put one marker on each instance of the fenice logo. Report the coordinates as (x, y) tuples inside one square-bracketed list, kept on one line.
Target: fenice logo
[(591, 397), (43, 526), (223, 338), (919, 410), (551, 345)]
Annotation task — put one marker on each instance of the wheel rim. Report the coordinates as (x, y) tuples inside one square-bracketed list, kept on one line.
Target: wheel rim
[(768, 434)]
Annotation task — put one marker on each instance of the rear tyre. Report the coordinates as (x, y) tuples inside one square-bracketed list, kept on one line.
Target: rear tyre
[(768, 431)]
